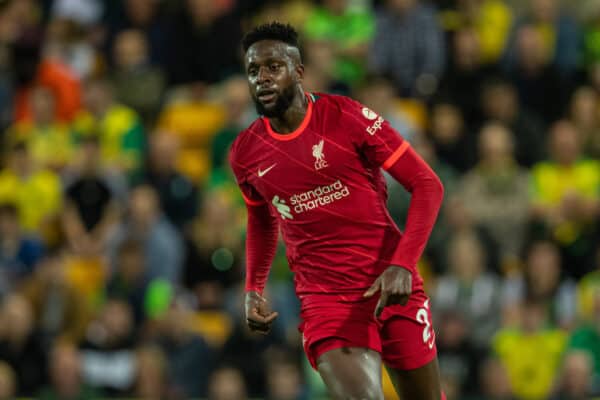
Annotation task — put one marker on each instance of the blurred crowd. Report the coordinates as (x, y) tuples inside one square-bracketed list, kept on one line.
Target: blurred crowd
[(122, 229)]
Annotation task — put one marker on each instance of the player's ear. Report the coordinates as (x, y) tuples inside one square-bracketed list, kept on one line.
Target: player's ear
[(299, 73)]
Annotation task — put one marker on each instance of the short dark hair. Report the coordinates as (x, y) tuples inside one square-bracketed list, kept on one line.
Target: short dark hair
[(271, 31)]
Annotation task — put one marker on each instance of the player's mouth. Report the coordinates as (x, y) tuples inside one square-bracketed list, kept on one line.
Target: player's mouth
[(266, 96)]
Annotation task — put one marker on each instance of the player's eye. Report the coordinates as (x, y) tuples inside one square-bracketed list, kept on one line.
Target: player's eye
[(274, 67)]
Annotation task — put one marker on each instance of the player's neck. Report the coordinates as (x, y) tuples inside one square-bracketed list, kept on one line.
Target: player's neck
[(293, 116)]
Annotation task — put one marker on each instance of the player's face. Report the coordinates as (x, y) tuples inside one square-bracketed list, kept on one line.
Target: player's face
[(272, 76)]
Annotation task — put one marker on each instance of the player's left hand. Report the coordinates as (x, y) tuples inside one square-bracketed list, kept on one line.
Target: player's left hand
[(395, 285)]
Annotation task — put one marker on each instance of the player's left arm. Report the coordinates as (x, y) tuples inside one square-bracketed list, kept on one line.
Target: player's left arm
[(427, 192), (377, 141)]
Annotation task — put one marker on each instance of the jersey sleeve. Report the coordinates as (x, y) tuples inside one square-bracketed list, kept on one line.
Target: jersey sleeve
[(372, 135), (240, 171)]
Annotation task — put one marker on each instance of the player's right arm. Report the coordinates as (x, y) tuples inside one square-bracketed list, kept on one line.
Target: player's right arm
[(261, 244)]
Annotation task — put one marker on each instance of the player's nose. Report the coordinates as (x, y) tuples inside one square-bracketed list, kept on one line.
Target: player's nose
[(264, 77)]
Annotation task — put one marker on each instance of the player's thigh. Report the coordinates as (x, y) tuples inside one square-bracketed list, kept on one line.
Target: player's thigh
[(409, 350), (351, 373), (421, 383)]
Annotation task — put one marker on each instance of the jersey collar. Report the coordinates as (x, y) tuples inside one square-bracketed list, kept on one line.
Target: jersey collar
[(299, 130)]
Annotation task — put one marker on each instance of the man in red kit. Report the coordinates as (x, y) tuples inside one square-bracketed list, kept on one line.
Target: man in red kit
[(312, 166)]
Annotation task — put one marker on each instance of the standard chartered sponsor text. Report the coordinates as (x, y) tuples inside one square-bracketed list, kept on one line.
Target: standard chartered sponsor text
[(319, 196)]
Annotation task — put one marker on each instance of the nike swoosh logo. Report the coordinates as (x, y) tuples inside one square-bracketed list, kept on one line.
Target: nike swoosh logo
[(264, 172)]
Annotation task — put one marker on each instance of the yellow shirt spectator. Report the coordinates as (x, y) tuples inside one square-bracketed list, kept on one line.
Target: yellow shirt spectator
[(37, 196), (531, 360), (551, 181), (491, 20), (121, 136), (195, 123), (51, 146), (493, 26)]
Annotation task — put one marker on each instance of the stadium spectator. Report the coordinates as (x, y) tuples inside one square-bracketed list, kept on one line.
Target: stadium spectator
[(58, 306), (583, 113), (178, 195), (561, 36), (227, 383), (541, 281), (535, 78), (129, 281), (36, 192), (566, 197), (108, 351), (471, 288), (163, 249), (458, 357), (91, 207), (214, 255), (20, 346), (146, 16), (284, 378), (65, 375), (464, 78), (497, 191), (586, 338), (24, 31), (151, 376), (83, 12), (491, 21), (408, 46), (494, 381), (8, 382), (456, 220), (320, 63), (198, 30), (118, 127), (195, 119), (19, 253), (189, 359), (240, 112), (138, 83), (500, 103), (575, 382), (68, 43), (530, 352), (454, 142), (347, 30), (50, 141)]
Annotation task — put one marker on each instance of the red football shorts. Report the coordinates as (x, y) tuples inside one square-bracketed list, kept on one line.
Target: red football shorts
[(402, 334)]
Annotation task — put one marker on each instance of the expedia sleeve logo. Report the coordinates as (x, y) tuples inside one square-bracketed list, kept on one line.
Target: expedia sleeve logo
[(371, 115)]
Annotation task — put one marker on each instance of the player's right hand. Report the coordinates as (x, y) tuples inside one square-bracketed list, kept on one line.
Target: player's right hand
[(258, 315)]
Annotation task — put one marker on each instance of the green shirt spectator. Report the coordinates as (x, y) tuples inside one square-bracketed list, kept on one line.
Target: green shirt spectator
[(587, 338), (349, 30)]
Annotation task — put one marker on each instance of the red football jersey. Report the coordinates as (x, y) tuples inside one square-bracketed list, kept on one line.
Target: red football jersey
[(324, 183)]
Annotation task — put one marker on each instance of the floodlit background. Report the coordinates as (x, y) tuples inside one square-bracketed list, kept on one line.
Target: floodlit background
[(122, 230)]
